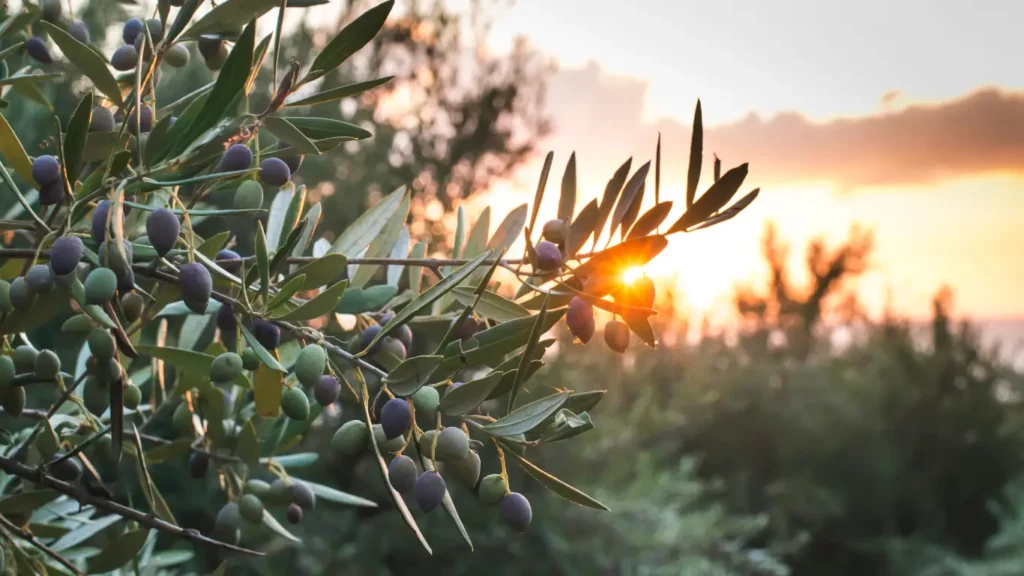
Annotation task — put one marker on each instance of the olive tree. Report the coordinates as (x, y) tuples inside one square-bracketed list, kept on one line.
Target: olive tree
[(224, 353)]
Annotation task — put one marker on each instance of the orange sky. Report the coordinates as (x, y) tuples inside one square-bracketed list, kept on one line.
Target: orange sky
[(844, 119)]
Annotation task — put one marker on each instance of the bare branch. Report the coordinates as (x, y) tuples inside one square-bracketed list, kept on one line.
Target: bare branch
[(31, 539), (80, 494)]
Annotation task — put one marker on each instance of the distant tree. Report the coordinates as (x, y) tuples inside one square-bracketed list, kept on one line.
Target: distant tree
[(454, 118)]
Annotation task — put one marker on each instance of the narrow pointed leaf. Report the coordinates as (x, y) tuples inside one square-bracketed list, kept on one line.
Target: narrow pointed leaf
[(398, 251), (430, 295), (509, 229), (356, 301), (85, 59), (267, 386), (696, 156), (288, 133), (270, 522), (339, 93), (657, 171), (650, 220), (321, 271), (477, 240), (567, 199), (351, 38), (118, 552), (265, 356), (385, 240), (557, 486), (630, 195), (14, 152), (611, 194), (541, 185), (729, 212), (459, 401), (195, 363), (412, 374), (323, 303), (416, 272), (329, 494), (76, 137), (608, 265), (262, 260), (717, 196), (490, 305), (448, 504), (582, 228), (531, 343), (525, 417), (286, 291), (383, 467), (368, 226)]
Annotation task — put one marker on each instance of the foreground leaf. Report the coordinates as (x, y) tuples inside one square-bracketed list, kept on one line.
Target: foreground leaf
[(412, 374), (118, 551), (383, 467), (430, 295), (350, 39), (323, 303), (85, 59), (459, 401), (554, 484), (526, 417)]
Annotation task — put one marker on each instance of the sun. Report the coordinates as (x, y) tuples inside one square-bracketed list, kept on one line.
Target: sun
[(632, 275)]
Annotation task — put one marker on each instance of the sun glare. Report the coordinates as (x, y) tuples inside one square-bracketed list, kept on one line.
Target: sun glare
[(631, 275)]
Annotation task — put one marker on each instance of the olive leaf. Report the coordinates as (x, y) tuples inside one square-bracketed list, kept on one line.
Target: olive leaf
[(541, 185), (357, 301), (384, 241), (368, 226), (631, 194), (14, 153), (75, 140), (339, 93), (717, 196), (349, 40), (286, 291), (611, 194), (329, 494), (526, 417), (267, 386), (551, 483), (567, 199), (489, 305), (383, 467), (85, 59), (412, 374), (289, 134), (581, 228), (321, 271), (531, 343), (696, 156), (729, 212), (430, 295), (323, 303), (650, 220), (195, 363), (264, 355), (118, 551), (463, 399), (248, 448)]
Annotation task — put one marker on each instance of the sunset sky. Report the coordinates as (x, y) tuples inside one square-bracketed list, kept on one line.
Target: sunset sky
[(903, 117)]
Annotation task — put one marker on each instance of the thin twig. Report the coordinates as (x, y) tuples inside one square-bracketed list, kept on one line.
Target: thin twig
[(80, 494), (421, 262), (31, 539)]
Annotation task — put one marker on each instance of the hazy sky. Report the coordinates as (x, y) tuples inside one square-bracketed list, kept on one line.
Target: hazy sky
[(902, 116)]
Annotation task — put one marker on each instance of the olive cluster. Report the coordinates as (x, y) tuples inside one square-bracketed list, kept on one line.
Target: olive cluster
[(443, 451), (251, 506)]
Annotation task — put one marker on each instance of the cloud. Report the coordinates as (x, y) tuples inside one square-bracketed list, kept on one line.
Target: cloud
[(601, 117)]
